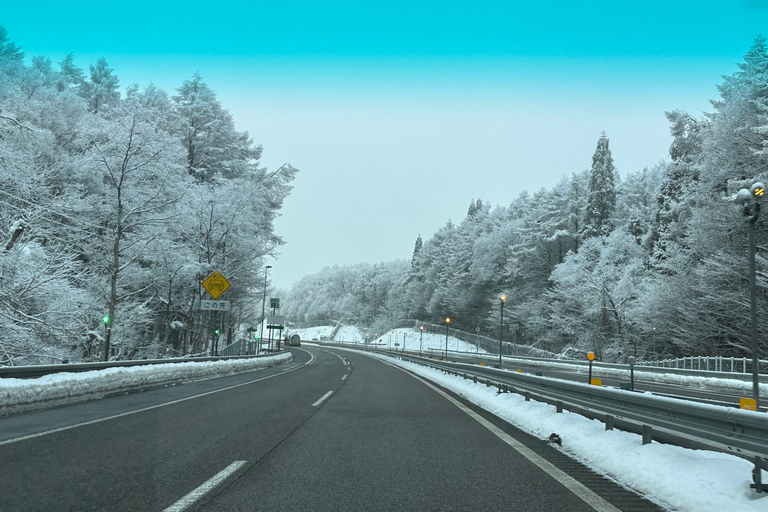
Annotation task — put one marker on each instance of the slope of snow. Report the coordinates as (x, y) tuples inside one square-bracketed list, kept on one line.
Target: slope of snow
[(18, 395), (432, 343)]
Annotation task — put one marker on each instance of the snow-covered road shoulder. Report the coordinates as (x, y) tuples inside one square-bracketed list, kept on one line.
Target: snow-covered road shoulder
[(20, 395)]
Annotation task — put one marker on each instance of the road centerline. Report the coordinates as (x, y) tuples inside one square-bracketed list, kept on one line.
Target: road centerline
[(205, 487), (322, 399)]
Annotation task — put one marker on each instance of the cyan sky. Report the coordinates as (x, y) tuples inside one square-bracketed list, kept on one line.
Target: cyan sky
[(398, 112)]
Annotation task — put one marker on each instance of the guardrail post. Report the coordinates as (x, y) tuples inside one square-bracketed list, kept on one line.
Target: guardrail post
[(608, 422), (647, 434), (558, 406), (757, 477), (527, 396)]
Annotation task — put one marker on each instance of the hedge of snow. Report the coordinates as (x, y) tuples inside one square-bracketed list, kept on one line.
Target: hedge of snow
[(19, 395)]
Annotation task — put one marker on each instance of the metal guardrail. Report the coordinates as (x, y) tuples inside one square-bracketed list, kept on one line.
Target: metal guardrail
[(742, 432), (31, 372), (746, 377)]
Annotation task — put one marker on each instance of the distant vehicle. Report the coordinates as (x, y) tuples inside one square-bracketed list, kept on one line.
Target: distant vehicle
[(293, 341)]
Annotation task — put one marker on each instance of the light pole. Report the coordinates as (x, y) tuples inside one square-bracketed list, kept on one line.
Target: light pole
[(421, 339), (501, 326), (263, 308), (750, 200), (404, 333), (447, 321)]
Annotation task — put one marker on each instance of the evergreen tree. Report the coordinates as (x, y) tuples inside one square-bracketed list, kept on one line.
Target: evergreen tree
[(70, 76), (101, 91), (601, 199)]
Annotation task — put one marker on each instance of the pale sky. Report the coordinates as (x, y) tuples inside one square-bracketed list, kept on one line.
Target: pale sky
[(399, 113)]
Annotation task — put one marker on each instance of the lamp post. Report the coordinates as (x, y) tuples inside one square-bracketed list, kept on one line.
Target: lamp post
[(263, 308), (501, 326), (750, 201), (447, 321), (421, 339)]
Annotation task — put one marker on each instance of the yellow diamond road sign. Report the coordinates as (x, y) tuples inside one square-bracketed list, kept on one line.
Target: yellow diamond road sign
[(216, 284)]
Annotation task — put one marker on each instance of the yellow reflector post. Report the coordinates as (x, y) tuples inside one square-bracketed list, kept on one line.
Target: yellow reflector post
[(519, 371), (748, 403), (596, 382)]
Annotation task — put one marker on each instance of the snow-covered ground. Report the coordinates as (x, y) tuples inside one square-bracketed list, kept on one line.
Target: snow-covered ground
[(676, 478), (349, 334), (18, 395)]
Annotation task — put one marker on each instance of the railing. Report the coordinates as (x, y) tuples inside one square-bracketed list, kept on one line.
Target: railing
[(710, 364)]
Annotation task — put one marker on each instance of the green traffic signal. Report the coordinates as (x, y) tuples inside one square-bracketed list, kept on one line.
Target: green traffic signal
[(217, 331), (105, 319)]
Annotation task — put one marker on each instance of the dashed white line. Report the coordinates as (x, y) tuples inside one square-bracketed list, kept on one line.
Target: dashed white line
[(344, 377), (322, 399), (205, 488)]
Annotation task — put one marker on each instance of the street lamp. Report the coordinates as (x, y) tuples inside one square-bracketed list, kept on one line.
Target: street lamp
[(263, 308), (421, 339), (447, 321), (501, 326), (750, 201)]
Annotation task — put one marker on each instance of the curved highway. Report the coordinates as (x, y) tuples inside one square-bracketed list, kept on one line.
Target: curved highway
[(331, 430)]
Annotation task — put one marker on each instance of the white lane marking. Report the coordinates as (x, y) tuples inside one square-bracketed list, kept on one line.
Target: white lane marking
[(344, 377), (570, 483), (205, 488), (322, 399), (92, 422)]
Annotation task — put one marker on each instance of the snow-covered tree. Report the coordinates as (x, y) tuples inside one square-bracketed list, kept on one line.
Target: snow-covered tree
[(601, 198)]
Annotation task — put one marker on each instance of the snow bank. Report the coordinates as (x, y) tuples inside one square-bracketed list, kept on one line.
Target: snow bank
[(19, 395), (677, 478)]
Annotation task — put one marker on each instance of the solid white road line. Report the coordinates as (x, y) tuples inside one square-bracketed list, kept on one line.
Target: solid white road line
[(205, 488), (68, 427), (573, 485), (322, 399)]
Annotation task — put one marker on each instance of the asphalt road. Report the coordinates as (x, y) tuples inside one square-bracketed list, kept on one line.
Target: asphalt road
[(332, 430)]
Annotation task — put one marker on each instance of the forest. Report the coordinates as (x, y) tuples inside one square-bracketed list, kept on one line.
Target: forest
[(653, 265), (115, 206)]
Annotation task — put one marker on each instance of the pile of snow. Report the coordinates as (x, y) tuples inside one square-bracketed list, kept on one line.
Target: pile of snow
[(674, 477), (19, 395)]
